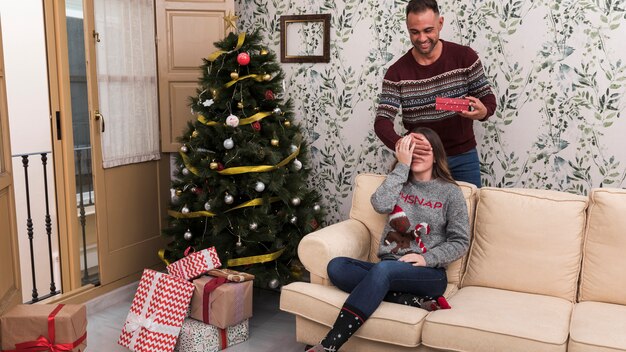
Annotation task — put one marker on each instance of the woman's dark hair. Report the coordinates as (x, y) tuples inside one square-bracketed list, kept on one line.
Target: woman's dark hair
[(440, 160), (418, 6)]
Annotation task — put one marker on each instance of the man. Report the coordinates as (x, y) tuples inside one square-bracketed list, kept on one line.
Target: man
[(436, 68)]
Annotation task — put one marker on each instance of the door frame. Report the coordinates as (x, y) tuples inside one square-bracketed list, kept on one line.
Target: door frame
[(62, 143), (12, 285)]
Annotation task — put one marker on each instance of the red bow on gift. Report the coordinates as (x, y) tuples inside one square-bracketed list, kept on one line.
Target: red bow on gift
[(43, 344)]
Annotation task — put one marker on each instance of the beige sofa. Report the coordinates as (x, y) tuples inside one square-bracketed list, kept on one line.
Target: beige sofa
[(546, 271)]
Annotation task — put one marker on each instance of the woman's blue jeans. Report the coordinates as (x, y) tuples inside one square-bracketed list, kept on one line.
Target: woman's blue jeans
[(368, 283), (465, 167)]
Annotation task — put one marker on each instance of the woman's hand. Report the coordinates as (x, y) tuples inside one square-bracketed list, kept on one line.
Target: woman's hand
[(404, 150), (414, 258)]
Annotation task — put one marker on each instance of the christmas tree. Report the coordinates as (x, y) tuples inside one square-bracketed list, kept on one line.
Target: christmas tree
[(241, 176)]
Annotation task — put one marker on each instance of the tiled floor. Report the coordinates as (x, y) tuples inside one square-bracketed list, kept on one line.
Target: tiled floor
[(270, 328)]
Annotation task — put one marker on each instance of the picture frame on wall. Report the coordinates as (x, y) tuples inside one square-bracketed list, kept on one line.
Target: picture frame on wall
[(305, 38)]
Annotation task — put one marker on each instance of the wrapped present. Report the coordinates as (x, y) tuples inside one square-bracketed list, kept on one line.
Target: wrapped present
[(157, 313), (221, 303), (43, 327), (195, 264), (452, 104), (231, 275), (196, 336)]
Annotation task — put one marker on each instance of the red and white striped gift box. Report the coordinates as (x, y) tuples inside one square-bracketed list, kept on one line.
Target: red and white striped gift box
[(195, 264), (157, 313)]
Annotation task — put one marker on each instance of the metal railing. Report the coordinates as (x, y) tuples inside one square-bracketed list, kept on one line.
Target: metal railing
[(84, 198)]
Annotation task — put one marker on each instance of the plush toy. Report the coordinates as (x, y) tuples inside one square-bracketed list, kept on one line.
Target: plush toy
[(402, 240), (421, 229), (402, 236), (398, 220)]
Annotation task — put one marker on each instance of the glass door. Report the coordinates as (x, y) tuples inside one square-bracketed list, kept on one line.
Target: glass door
[(84, 181)]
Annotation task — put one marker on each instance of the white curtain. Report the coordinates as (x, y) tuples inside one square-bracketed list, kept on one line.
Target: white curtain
[(127, 81)]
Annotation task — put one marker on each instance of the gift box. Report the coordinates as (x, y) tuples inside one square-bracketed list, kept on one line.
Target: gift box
[(452, 104), (195, 264), (231, 275), (157, 313), (43, 327), (221, 303), (196, 336)]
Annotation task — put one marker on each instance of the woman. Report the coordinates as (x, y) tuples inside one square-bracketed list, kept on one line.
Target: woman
[(428, 229)]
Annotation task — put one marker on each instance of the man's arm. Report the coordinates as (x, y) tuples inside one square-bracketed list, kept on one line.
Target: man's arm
[(479, 88), (388, 107), (385, 131)]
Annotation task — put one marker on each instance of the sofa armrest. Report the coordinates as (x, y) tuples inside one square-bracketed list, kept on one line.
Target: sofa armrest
[(349, 238)]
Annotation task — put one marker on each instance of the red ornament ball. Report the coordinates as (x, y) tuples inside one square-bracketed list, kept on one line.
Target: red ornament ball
[(256, 126), (220, 166), (243, 59), (269, 95)]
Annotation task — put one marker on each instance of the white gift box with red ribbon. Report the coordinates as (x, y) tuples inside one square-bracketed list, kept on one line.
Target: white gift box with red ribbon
[(195, 264), (157, 313)]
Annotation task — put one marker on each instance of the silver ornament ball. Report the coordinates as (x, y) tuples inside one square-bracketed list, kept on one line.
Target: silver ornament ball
[(188, 235), (185, 171), (229, 143), (317, 208), (207, 206), (293, 148), (184, 148), (277, 111), (259, 186), (185, 210), (238, 244), (253, 226), (295, 201), (273, 283), (297, 164), (294, 219), (228, 199)]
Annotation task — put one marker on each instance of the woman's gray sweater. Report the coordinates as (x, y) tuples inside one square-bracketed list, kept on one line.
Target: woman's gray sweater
[(438, 203)]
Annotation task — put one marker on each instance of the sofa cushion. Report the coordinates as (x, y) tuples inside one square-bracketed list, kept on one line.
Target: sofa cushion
[(362, 210), (527, 240), (602, 277), (391, 323), (455, 269), (486, 319), (598, 327)]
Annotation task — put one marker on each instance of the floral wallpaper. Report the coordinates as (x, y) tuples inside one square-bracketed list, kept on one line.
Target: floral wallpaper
[(557, 69)]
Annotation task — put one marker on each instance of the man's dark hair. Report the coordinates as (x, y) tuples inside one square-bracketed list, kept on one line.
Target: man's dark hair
[(418, 6)]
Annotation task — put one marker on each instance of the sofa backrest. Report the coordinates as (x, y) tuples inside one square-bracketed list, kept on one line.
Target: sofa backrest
[(366, 184), (527, 240), (456, 269), (604, 251)]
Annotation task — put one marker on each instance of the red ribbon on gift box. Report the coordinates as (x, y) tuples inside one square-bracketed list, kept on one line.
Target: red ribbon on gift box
[(224, 338), (42, 343), (208, 288)]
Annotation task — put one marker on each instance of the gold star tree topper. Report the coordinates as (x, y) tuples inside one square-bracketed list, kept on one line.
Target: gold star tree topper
[(230, 19)]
